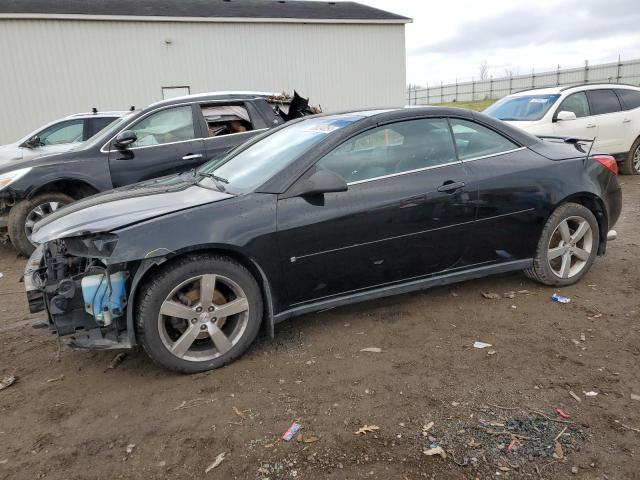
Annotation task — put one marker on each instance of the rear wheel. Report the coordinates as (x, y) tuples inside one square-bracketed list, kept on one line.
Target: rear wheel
[(199, 313), (24, 215), (631, 164), (567, 247)]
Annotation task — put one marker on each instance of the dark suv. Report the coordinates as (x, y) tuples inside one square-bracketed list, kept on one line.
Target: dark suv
[(166, 137)]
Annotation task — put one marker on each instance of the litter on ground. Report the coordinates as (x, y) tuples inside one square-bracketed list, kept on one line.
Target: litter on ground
[(216, 462), (7, 381), (372, 350), (478, 344), (291, 431), (559, 298)]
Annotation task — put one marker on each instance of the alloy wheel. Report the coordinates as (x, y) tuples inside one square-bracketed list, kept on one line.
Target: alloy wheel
[(203, 317), (37, 214), (570, 247), (636, 160)]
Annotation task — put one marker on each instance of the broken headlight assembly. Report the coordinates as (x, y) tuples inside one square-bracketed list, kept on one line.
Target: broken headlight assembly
[(99, 245)]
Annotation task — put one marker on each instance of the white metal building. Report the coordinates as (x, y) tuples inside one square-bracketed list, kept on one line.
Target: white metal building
[(66, 56)]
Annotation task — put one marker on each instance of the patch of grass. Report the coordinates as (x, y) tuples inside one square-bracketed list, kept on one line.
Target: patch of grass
[(478, 105)]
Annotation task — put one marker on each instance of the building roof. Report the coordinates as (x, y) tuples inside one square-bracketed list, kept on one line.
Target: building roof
[(204, 10)]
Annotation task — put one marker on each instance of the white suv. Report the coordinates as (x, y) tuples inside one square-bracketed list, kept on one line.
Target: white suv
[(610, 113)]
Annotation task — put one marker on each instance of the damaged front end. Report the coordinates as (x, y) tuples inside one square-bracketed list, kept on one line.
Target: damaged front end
[(85, 297)]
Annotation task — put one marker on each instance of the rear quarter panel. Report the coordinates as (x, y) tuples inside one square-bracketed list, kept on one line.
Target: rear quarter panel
[(517, 193)]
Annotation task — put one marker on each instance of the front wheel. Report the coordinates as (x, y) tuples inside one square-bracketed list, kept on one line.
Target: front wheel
[(567, 247), (199, 313), (24, 215)]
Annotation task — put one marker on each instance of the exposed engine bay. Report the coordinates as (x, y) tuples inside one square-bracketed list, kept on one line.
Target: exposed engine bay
[(84, 297)]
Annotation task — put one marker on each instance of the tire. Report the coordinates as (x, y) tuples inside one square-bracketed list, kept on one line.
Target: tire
[(579, 242), (631, 164), (192, 345), (26, 211)]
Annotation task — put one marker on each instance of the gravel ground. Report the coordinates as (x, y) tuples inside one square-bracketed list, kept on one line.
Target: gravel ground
[(69, 417)]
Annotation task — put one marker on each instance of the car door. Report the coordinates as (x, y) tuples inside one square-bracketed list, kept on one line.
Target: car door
[(405, 214), (604, 104), (585, 125), (168, 141), (630, 101), (509, 193)]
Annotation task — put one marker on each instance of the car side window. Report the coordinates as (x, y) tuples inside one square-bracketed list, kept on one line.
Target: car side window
[(474, 140), (96, 124), (166, 126), (576, 103), (226, 119), (64, 132), (603, 101), (630, 99), (391, 149)]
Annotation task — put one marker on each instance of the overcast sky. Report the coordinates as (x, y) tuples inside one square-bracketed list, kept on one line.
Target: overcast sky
[(449, 39)]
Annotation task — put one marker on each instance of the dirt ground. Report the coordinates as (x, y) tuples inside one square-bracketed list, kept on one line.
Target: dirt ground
[(72, 418)]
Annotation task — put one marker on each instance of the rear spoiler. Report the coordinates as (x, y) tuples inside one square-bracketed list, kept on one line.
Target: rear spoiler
[(575, 141)]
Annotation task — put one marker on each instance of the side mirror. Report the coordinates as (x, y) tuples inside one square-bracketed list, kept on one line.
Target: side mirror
[(322, 181), (124, 139), (563, 116), (33, 142)]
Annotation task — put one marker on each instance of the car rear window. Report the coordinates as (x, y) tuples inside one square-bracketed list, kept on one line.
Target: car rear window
[(603, 101), (630, 99)]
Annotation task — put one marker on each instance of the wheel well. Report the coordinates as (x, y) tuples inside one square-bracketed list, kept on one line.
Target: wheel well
[(74, 188), (596, 206), (243, 260)]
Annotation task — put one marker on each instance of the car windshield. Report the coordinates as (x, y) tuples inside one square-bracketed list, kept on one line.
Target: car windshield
[(522, 107), (258, 160)]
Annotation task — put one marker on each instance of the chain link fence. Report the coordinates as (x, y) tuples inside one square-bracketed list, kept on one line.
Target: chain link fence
[(618, 72)]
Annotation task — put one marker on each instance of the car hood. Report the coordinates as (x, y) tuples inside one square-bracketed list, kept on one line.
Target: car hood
[(125, 206), (14, 152)]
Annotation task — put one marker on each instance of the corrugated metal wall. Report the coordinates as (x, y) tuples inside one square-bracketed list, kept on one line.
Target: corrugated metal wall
[(620, 72), (52, 68)]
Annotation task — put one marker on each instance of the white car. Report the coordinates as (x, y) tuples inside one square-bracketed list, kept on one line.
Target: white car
[(610, 113), (59, 136)]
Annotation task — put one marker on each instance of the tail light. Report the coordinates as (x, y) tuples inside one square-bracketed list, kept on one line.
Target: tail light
[(608, 162)]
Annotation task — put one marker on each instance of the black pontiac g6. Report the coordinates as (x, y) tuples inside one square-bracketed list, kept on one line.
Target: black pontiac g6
[(323, 211)]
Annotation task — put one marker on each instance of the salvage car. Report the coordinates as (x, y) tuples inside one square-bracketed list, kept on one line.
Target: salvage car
[(323, 211), (608, 113), (58, 136), (170, 136)]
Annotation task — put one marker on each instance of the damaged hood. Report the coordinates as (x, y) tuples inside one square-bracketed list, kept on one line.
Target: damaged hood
[(125, 206)]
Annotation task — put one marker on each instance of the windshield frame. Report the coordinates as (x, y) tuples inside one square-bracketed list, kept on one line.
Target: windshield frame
[(552, 99)]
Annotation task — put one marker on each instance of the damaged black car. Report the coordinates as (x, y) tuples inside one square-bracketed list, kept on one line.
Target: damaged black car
[(323, 211)]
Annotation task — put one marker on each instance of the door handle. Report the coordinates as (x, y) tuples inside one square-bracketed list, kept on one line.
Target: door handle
[(591, 125), (450, 186), (192, 156), (626, 120)]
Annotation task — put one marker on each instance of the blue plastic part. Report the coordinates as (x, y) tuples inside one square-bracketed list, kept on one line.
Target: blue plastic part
[(101, 295)]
